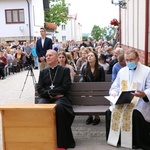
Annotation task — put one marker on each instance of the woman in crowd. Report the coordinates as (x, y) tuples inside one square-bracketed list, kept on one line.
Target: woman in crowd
[(71, 61), (75, 54), (82, 59), (93, 72), (102, 62), (63, 61), (19, 59)]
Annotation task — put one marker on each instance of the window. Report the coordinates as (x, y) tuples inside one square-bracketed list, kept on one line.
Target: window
[(63, 27), (63, 38), (14, 16)]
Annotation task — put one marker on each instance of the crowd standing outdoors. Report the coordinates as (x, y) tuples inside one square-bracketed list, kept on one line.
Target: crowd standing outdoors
[(59, 62), (22, 55)]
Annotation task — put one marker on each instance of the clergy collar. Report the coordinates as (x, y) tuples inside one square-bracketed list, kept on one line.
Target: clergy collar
[(133, 69), (53, 67)]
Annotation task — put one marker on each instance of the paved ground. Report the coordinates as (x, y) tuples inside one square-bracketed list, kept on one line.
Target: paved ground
[(18, 88)]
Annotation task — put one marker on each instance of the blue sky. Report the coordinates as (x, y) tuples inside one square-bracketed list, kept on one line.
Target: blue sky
[(93, 12)]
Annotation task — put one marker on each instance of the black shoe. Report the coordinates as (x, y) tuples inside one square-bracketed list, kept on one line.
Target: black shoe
[(3, 78), (135, 147), (35, 67), (89, 120), (96, 121)]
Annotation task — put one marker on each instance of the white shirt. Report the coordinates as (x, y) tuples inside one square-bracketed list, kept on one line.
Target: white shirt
[(42, 41)]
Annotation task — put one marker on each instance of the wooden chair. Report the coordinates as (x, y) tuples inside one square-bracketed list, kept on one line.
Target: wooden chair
[(29, 127)]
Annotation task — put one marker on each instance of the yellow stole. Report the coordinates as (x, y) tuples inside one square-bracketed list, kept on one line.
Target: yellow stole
[(121, 118)]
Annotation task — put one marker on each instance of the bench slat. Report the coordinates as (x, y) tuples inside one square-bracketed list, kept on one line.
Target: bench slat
[(92, 101), (88, 110), (90, 93), (107, 78), (90, 86)]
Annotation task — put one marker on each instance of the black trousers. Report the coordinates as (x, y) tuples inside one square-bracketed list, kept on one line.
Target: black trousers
[(29, 60), (140, 132), (2, 72), (64, 120)]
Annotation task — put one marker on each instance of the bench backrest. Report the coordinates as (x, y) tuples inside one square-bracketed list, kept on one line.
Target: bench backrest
[(89, 93), (77, 78), (107, 78)]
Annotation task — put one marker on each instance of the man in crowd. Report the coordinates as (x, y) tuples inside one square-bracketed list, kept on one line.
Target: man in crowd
[(130, 123), (121, 63), (42, 45), (56, 46), (114, 60), (53, 86), (28, 53)]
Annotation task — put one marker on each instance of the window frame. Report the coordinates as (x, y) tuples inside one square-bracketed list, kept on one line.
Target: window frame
[(12, 17), (64, 38), (63, 27)]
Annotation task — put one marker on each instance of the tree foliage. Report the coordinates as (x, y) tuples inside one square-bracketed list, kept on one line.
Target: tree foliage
[(103, 33), (109, 32), (58, 12), (97, 32)]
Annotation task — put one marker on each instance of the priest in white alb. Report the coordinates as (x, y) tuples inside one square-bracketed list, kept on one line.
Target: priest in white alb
[(128, 125)]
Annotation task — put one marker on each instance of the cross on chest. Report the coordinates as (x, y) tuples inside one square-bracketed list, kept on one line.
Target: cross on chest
[(52, 86)]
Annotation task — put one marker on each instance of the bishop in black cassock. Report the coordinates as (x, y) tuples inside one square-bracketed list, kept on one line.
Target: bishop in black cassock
[(53, 86)]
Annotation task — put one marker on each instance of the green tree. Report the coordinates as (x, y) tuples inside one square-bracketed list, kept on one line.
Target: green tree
[(84, 38), (109, 32), (97, 32), (103, 33), (58, 12)]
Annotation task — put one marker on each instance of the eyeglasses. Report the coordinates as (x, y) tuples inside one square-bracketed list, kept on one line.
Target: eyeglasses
[(130, 60)]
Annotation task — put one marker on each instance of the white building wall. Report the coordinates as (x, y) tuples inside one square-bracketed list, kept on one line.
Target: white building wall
[(124, 27), (38, 16), (72, 31), (66, 32), (130, 23), (13, 30), (141, 24), (133, 24), (149, 31)]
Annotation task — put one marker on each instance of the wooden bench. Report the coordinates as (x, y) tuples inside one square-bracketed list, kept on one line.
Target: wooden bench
[(88, 97), (77, 78), (28, 127)]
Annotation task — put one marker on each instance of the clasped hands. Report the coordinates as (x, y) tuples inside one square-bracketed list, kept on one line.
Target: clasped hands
[(56, 97), (42, 59)]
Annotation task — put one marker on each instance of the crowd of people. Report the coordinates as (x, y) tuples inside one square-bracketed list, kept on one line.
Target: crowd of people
[(18, 56), (22, 55), (59, 62)]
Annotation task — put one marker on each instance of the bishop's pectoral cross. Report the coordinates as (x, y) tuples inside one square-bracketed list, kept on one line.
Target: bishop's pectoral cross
[(52, 86)]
